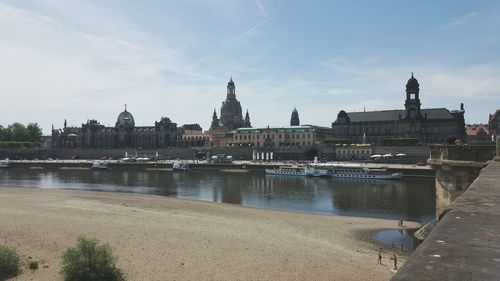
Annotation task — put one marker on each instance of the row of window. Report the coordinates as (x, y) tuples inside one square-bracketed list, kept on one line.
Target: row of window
[(304, 143), (272, 136), (396, 130), (354, 151)]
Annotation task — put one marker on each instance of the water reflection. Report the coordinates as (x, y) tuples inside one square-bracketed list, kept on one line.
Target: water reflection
[(413, 198), (399, 239)]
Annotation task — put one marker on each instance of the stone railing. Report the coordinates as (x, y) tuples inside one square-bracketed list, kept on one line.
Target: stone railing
[(465, 244), (470, 153)]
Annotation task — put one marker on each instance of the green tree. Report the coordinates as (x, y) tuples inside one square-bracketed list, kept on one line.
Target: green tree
[(90, 261), (18, 132), (9, 262), (33, 132)]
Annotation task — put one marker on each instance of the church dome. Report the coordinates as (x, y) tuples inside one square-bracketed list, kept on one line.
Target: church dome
[(343, 117), (412, 83), (342, 113), (125, 119)]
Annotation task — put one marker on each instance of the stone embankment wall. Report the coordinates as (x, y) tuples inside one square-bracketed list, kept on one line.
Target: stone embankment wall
[(465, 244), (456, 166), (414, 153)]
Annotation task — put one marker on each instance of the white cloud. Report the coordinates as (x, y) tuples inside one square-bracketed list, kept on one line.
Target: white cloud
[(261, 9), (52, 71), (461, 21)]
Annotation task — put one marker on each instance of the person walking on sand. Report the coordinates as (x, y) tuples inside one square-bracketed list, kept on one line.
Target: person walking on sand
[(395, 259), (379, 258)]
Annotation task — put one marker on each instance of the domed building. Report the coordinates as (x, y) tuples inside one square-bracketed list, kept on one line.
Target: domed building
[(431, 125), (124, 134), (231, 116), (125, 120)]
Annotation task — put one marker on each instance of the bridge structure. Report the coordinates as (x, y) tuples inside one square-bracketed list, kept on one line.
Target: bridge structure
[(465, 243)]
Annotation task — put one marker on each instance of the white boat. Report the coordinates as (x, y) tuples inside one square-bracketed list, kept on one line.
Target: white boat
[(180, 167), (287, 171), (319, 171), (99, 165), (5, 163), (365, 173)]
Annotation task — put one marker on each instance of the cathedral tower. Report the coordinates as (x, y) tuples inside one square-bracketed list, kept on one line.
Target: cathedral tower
[(231, 116), (294, 121)]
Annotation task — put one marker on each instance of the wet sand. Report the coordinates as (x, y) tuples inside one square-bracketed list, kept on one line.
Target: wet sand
[(159, 238)]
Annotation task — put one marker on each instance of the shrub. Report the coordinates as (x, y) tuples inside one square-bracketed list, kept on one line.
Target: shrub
[(90, 261), (33, 265), (9, 262)]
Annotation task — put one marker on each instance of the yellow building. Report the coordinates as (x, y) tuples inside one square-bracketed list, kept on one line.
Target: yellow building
[(353, 151), (274, 137)]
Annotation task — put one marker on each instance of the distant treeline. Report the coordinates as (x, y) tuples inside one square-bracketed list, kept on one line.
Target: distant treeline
[(18, 135)]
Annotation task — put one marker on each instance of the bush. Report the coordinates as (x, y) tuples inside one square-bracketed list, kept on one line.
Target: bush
[(9, 262), (33, 265), (18, 144), (89, 261)]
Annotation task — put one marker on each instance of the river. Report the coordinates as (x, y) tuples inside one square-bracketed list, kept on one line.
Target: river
[(409, 197)]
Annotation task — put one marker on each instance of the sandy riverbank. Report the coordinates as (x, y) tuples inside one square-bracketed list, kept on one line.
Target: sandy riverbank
[(158, 238)]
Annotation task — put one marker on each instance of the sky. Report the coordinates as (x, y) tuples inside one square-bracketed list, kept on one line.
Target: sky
[(80, 60)]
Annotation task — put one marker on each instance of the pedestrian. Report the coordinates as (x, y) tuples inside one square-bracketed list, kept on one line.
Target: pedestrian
[(395, 259), (379, 258)]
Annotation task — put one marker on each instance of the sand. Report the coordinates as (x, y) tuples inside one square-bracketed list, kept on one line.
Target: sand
[(159, 238)]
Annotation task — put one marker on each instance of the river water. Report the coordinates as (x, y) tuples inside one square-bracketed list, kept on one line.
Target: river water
[(408, 197)]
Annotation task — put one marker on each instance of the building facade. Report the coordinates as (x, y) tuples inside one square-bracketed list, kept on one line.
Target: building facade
[(494, 123), (275, 137), (353, 152), (433, 125), (478, 133), (125, 134)]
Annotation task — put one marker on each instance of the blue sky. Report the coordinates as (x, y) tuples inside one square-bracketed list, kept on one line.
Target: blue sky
[(85, 59)]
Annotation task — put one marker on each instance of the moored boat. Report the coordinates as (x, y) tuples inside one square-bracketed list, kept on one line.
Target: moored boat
[(287, 171), (99, 165), (180, 167), (5, 163), (319, 171), (365, 173)]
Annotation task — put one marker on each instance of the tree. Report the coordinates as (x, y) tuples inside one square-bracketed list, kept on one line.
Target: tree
[(18, 131), (89, 261), (9, 262), (33, 132)]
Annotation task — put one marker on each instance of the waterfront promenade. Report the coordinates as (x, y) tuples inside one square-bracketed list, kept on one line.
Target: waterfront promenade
[(158, 238), (202, 165)]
